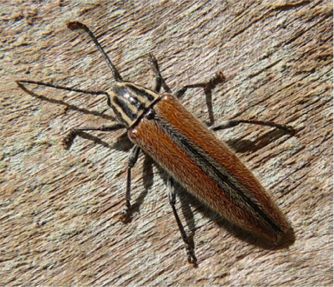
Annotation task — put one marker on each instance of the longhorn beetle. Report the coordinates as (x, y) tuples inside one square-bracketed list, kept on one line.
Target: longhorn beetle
[(187, 150)]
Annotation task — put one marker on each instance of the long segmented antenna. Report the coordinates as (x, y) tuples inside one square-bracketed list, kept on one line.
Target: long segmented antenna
[(77, 25), (20, 82)]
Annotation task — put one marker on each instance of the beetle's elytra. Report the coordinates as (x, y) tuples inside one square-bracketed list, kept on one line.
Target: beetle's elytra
[(187, 150)]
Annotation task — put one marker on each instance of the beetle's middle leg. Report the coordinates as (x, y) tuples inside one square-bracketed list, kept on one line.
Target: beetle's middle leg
[(208, 87), (133, 157), (189, 243)]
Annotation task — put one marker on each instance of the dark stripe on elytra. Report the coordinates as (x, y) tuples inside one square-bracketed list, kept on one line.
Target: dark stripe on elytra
[(204, 163)]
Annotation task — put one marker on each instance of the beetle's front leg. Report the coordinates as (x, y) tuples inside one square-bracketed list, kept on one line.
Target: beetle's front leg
[(68, 140), (159, 80)]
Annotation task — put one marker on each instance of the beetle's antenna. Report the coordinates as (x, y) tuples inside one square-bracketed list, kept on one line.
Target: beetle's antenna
[(77, 25), (21, 82)]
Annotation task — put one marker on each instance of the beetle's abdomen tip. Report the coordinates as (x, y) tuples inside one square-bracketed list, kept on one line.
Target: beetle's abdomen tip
[(285, 238)]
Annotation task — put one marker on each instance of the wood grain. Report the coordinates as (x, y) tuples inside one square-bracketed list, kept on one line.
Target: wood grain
[(59, 210)]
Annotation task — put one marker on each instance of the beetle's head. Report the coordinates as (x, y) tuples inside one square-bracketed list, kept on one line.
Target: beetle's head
[(129, 101)]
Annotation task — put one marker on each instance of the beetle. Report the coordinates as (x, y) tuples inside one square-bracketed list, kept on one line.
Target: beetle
[(159, 125)]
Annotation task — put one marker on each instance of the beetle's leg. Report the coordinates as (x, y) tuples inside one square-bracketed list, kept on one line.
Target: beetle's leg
[(159, 80), (68, 140), (133, 157), (208, 87), (233, 123), (189, 244)]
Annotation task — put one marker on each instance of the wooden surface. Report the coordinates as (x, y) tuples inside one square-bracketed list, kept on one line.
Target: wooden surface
[(59, 210)]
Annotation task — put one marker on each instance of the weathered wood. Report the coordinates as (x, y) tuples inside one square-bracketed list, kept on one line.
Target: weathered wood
[(59, 210)]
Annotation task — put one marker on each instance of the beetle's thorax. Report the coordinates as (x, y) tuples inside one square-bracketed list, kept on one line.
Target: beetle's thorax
[(129, 101)]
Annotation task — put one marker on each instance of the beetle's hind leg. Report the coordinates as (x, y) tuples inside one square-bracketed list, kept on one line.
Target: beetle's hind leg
[(189, 243), (159, 80), (232, 123)]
